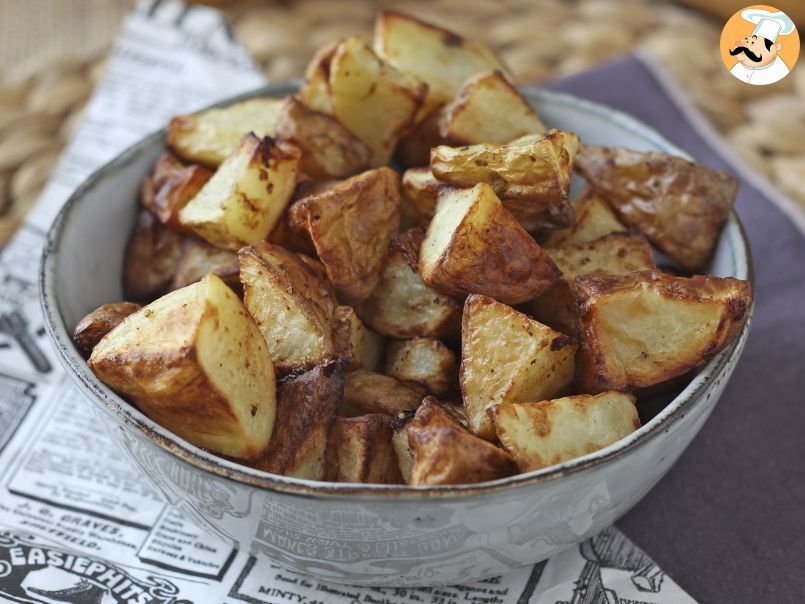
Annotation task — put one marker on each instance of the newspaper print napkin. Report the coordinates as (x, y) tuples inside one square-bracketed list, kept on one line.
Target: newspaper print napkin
[(77, 522)]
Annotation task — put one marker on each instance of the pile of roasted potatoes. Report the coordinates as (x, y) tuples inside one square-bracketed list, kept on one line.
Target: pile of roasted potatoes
[(382, 279)]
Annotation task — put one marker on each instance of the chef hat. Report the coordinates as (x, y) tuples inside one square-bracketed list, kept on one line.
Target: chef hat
[(769, 25)]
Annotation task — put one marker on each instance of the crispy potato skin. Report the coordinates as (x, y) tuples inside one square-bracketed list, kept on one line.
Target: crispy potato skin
[(328, 149), (306, 409), (377, 393), (593, 219), (360, 450), (644, 328), (351, 225), (358, 345), (680, 206), (199, 259), (94, 326), (488, 252), (151, 259), (169, 187), (445, 453), (424, 361), (546, 433)]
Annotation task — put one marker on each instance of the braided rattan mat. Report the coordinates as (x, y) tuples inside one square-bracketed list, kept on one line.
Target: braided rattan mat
[(51, 52)]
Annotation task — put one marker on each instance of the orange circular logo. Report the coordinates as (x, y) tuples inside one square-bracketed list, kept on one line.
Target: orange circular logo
[(760, 45)]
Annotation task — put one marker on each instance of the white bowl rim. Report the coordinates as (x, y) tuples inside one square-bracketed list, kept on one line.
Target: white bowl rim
[(124, 412)]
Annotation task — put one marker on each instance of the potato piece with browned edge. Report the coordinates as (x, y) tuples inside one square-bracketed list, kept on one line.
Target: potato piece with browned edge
[(413, 149), (614, 254), (640, 329), (507, 357), (291, 304), (199, 259), (328, 149), (360, 450), (680, 206), (488, 109), (445, 453), (399, 441), (315, 89), (169, 187), (210, 136), (94, 326), (531, 175), (194, 361), (474, 245), (546, 433), (402, 306), (351, 224), (425, 361), (306, 408), (593, 219), (421, 188), (373, 392), (151, 259), (359, 345)]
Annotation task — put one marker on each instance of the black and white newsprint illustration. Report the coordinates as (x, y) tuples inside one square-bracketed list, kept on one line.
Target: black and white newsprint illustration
[(78, 523)]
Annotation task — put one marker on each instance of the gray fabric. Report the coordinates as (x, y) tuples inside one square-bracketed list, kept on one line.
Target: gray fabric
[(728, 521)]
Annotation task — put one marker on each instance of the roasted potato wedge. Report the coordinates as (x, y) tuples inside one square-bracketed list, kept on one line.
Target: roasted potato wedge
[(546, 433), (614, 254), (474, 245), (169, 187), (445, 453), (399, 441), (306, 408), (402, 306), (413, 149), (328, 149), (94, 326), (194, 361), (151, 259), (640, 329), (199, 259), (372, 392), (359, 345), (531, 175), (291, 305), (680, 206), (507, 357), (438, 57), (315, 89), (488, 109), (421, 188), (425, 361), (351, 224), (593, 219), (360, 450), (210, 136), (246, 197)]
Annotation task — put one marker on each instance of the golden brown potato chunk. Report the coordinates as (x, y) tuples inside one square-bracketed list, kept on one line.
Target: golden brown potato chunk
[(640, 329), (94, 326), (351, 224), (199, 259), (246, 197), (292, 306), (474, 245), (402, 306), (593, 219), (328, 149), (445, 453), (210, 136), (354, 342), (360, 450), (546, 433), (421, 188), (413, 149), (488, 109), (151, 259), (169, 187), (680, 206), (424, 361), (373, 392), (195, 362), (531, 175), (306, 408), (614, 254), (402, 447), (507, 357)]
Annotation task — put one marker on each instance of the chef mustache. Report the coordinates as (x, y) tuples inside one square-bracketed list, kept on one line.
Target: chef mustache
[(743, 49)]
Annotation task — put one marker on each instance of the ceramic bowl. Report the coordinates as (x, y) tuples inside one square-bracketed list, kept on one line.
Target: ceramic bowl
[(373, 534)]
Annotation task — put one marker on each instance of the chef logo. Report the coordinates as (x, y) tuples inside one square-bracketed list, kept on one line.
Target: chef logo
[(760, 45)]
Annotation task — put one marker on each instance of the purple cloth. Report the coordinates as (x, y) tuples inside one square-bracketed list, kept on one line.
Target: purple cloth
[(728, 521)]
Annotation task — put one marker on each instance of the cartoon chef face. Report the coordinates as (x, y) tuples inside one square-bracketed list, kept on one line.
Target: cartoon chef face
[(755, 51)]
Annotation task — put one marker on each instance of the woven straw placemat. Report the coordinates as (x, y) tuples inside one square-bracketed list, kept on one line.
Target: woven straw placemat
[(51, 52)]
